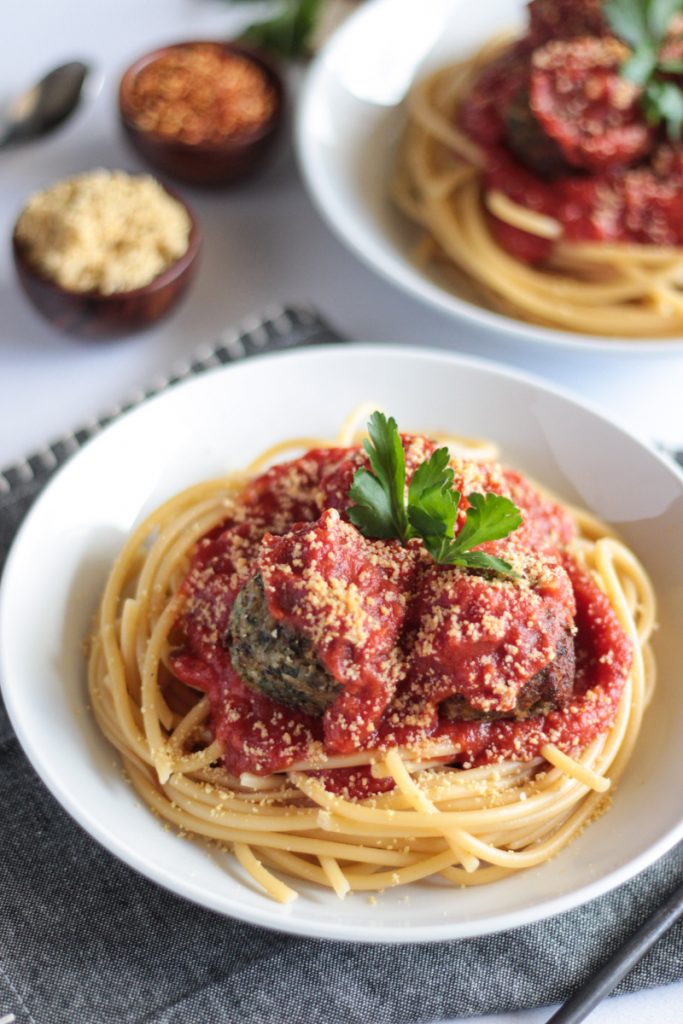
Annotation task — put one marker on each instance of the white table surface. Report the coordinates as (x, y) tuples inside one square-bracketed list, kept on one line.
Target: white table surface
[(264, 244)]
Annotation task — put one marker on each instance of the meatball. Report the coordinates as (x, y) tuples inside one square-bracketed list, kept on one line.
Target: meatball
[(530, 143), (272, 658), (581, 100), (276, 660), (566, 19), (549, 690), (487, 648)]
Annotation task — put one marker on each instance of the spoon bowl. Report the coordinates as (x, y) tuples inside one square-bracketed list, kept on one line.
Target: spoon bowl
[(46, 104)]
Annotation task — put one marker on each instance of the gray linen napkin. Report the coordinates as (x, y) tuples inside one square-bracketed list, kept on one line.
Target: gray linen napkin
[(85, 939)]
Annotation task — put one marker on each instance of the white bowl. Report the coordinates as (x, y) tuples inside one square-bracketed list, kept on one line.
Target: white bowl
[(219, 421), (349, 122)]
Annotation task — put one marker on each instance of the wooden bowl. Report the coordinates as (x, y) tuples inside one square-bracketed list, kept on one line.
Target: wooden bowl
[(92, 314), (204, 163)]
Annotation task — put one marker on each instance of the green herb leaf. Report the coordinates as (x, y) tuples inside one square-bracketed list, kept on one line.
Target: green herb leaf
[(644, 25), (287, 34), (659, 15), (628, 20), (382, 504), (639, 67), (489, 563), (440, 548), (380, 509), (489, 517), (664, 102), (445, 553), (372, 512), (432, 500)]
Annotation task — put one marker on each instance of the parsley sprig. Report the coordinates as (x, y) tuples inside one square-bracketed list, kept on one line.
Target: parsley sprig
[(287, 32), (644, 25), (384, 509)]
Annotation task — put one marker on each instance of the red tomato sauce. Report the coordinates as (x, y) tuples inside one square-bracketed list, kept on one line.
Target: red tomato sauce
[(582, 151), (348, 595), (603, 661), (399, 633), (482, 639)]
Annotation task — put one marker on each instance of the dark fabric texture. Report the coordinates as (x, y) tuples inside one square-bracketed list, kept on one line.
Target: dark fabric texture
[(85, 939)]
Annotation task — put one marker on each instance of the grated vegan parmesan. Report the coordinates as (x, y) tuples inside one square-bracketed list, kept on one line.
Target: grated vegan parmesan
[(104, 231)]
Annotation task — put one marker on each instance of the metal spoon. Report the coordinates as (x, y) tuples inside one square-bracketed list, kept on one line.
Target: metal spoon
[(45, 105), (603, 981)]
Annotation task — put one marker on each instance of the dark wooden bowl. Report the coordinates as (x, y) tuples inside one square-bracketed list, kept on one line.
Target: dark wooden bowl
[(204, 163), (94, 315)]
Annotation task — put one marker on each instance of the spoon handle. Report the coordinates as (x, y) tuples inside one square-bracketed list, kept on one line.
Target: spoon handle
[(601, 984)]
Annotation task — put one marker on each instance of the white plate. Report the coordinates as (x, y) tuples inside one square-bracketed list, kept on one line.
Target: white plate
[(60, 559), (349, 122)]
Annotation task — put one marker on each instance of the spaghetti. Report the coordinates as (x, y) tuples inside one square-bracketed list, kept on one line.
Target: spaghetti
[(423, 815), (593, 253)]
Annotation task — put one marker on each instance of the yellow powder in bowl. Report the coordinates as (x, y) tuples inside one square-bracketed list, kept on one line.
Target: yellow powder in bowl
[(106, 231)]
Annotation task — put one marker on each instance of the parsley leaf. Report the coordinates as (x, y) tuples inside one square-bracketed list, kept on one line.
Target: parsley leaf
[(287, 33), (480, 560), (664, 102), (380, 509), (372, 510), (432, 499), (639, 67), (489, 517), (628, 20), (659, 15), (644, 25)]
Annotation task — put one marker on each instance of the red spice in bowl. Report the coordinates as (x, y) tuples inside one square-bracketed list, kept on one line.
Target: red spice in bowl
[(203, 112)]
